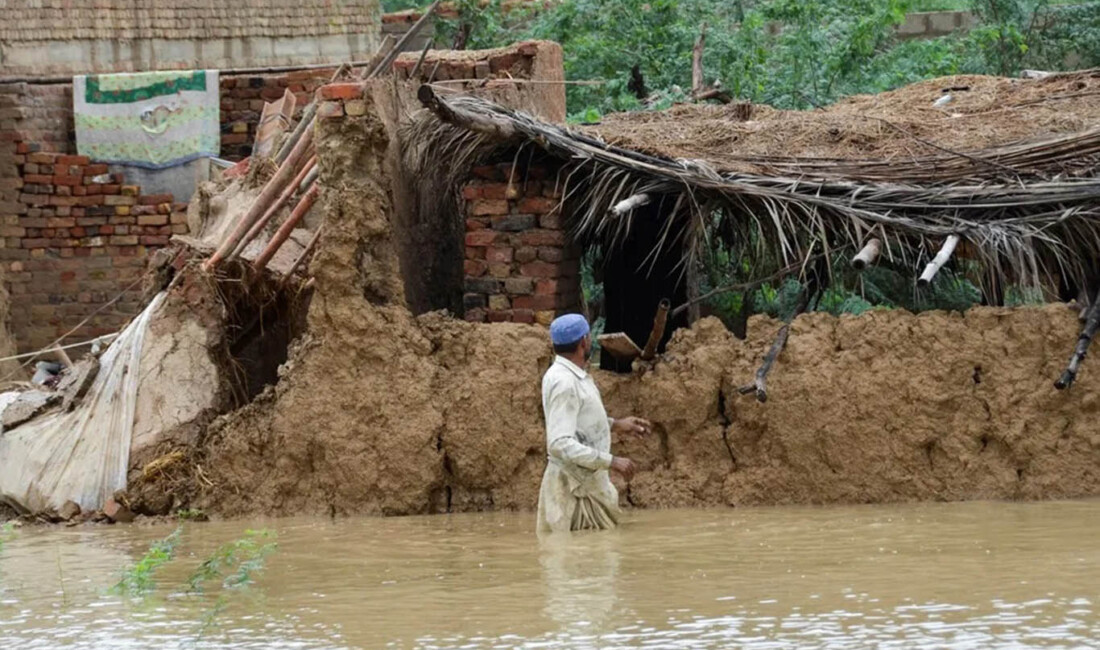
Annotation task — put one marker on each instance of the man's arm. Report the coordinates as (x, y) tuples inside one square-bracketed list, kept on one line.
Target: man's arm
[(562, 407)]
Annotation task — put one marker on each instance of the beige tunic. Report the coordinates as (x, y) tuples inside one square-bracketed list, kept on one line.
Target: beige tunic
[(576, 492)]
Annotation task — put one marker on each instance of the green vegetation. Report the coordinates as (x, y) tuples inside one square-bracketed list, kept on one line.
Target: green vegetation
[(138, 579)]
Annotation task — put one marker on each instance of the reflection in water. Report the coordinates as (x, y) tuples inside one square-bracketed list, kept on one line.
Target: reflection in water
[(579, 574), (933, 575)]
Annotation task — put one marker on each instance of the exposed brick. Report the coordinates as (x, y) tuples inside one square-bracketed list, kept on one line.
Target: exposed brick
[(355, 107), (519, 286), (473, 300), (42, 158), (131, 190), (513, 222), (526, 254), (118, 199), (471, 192), (152, 220), (477, 223), (536, 302), (72, 160), (95, 169), (546, 287), (483, 207), (155, 199), (537, 205), (543, 238), (541, 270), (342, 91), (481, 285), (498, 254), (551, 221), (551, 254), (499, 302), (481, 238), (498, 191), (474, 268), (68, 180), (499, 315), (500, 270), (523, 316), (329, 110)]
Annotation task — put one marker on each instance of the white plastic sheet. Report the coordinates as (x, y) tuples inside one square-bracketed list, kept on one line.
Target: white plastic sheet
[(81, 455)]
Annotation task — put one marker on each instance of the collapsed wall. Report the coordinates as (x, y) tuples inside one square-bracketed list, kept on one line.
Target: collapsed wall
[(378, 411)]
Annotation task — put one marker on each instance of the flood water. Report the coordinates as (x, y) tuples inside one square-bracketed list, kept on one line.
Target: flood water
[(963, 575)]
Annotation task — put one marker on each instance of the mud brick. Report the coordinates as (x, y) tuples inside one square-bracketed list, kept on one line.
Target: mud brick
[(543, 238), (72, 160), (513, 222), (342, 91), (551, 221), (107, 230), (177, 218), (328, 110), (475, 315), (95, 169), (519, 286), (498, 254), (526, 254), (118, 199), (131, 190), (139, 210), (537, 205), (123, 240), (503, 62), (154, 199), (546, 287), (78, 231), (42, 157), (152, 220), (471, 192), (536, 302), (482, 285), (481, 238), (500, 270), (68, 180), (499, 315), (541, 270), (476, 224), (180, 229), (483, 207), (474, 268)]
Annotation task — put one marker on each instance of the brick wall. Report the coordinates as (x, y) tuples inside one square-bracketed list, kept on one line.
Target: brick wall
[(242, 101), (520, 265)]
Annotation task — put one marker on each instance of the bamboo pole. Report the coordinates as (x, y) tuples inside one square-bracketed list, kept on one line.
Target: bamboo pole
[(262, 222), (938, 261), (388, 60), (630, 203), (658, 331), (284, 230), (310, 178), (1092, 323), (260, 205), (867, 255), (305, 253)]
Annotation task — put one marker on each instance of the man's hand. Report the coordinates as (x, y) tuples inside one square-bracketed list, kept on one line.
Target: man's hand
[(624, 466), (631, 425)]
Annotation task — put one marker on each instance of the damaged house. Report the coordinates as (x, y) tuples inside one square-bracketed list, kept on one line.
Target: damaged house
[(354, 323)]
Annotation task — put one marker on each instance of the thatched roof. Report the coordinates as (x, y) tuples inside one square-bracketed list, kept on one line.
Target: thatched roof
[(1013, 175)]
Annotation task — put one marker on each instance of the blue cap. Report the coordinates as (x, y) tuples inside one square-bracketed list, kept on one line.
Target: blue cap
[(567, 329)]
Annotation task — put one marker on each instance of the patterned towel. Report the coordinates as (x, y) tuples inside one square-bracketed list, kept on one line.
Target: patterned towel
[(147, 119)]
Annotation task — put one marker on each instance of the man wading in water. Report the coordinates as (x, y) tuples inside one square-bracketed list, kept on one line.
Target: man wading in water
[(576, 492)]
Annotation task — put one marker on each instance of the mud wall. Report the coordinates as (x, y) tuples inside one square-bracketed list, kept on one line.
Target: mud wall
[(380, 412)]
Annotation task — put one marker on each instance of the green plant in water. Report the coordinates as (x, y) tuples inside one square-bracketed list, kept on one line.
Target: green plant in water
[(138, 579), (236, 563), (191, 515)]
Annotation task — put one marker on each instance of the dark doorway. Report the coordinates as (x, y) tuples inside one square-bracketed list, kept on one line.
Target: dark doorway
[(634, 282)]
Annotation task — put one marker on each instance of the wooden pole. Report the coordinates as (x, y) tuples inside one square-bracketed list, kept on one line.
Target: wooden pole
[(260, 205), (697, 63), (388, 60), (284, 230), (938, 261), (1092, 323), (262, 222), (867, 255), (500, 128), (759, 385), (658, 331)]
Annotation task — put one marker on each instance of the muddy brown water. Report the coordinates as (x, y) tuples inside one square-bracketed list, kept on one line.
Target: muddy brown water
[(931, 575)]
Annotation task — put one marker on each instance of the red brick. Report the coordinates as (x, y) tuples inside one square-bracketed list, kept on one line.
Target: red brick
[(131, 190), (475, 315), (475, 252), (154, 199), (488, 172), (72, 160), (68, 180), (535, 303), (239, 138), (551, 221), (523, 316), (483, 207), (543, 238), (476, 224), (551, 254), (42, 157), (526, 254), (80, 190), (481, 238), (500, 315), (112, 189), (546, 287), (537, 205), (38, 179), (342, 91), (154, 240), (471, 192), (541, 270), (474, 268), (152, 220), (498, 254), (329, 110), (495, 191), (95, 170)]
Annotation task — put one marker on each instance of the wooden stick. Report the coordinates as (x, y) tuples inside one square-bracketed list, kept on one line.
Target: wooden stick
[(384, 50), (1092, 323), (938, 261), (658, 331), (759, 385), (697, 63), (310, 178), (260, 205), (281, 235), (388, 60), (867, 255), (301, 258), (630, 203), (296, 135), (262, 222), (420, 62), (500, 128)]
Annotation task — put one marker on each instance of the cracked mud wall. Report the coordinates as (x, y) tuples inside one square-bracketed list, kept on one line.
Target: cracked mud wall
[(380, 412)]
